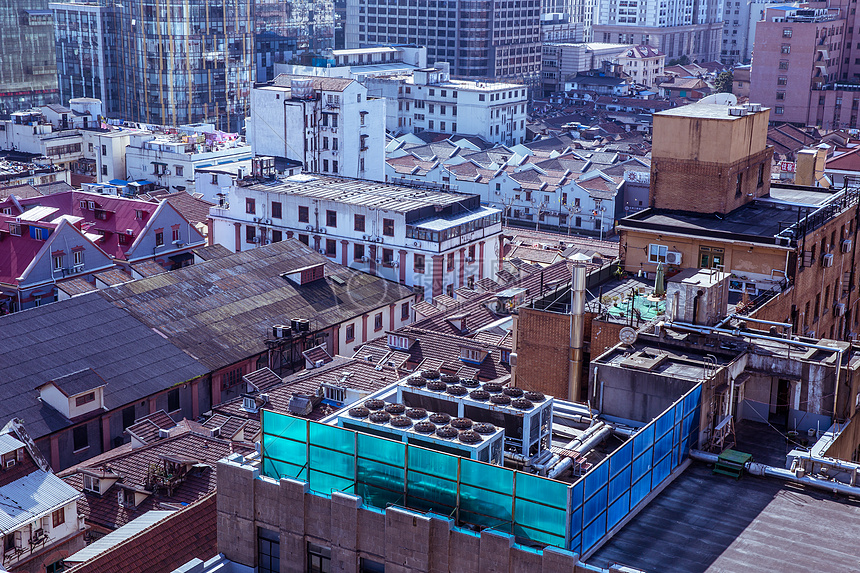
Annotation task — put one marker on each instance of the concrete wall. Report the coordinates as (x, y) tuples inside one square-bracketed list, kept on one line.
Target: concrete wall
[(403, 540)]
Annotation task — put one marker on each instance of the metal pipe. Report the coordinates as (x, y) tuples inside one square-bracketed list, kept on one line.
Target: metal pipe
[(784, 474), (577, 310), (770, 322), (711, 330), (589, 444)]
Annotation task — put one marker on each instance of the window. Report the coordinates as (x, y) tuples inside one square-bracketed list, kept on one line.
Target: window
[(58, 262), (319, 559), (78, 258), (331, 218), (404, 311), (377, 322), (173, 400), (325, 164), (760, 179), (250, 206), (780, 95), (781, 81), (350, 332), (739, 184), (470, 355), (419, 263), (334, 166), (178, 169), (104, 149), (58, 517), (358, 252), (388, 227), (127, 417), (159, 239), (269, 552), (277, 236), (80, 439), (358, 224), (92, 484), (303, 215), (304, 239), (176, 235), (778, 110), (786, 49), (657, 253), (138, 214), (330, 248), (711, 257), (85, 399), (783, 64), (250, 234), (388, 257), (276, 210)]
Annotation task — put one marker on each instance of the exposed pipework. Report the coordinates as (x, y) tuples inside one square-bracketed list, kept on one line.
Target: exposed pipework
[(784, 474), (577, 309), (587, 443)]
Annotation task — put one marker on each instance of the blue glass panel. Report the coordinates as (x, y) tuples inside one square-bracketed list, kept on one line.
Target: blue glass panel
[(679, 412), (576, 521), (641, 465), (574, 544), (621, 458), (664, 423), (576, 493), (640, 489), (662, 447), (596, 479), (643, 439), (617, 511), (619, 485), (594, 506), (661, 470), (593, 533)]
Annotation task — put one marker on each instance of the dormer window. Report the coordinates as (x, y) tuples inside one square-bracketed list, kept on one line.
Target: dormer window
[(92, 484), (249, 404), (334, 393), (471, 355), (398, 342), (125, 497), (85, 399)]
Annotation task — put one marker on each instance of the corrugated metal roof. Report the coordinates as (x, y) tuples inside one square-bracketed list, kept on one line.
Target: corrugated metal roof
[(31, 497), (114, 538), (9, 443)]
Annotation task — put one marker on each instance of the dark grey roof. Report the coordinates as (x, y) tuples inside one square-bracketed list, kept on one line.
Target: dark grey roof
[(212, 252), (221, 311), (52, 341), (78, 382)]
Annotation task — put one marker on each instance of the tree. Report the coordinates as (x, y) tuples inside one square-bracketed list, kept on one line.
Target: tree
[(723, 83)]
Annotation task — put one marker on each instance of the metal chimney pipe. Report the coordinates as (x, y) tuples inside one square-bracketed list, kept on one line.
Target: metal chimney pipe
[(577, 310)]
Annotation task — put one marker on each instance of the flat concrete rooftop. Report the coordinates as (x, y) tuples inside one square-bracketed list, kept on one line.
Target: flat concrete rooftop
[(704, 111), (704, 522)]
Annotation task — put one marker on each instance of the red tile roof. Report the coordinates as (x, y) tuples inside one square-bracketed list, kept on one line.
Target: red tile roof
[(175, 540)]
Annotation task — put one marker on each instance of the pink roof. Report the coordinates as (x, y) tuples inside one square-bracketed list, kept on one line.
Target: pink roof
[(120, 214), (16, 253)]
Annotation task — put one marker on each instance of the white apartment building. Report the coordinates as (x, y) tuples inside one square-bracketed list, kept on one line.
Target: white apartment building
[(361, 63), (30, 132), (331, 125), (170, 158), (432, 241), (643, 64), (429, 100)]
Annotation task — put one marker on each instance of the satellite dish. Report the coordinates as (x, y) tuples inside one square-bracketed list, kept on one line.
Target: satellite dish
[(627, 335)]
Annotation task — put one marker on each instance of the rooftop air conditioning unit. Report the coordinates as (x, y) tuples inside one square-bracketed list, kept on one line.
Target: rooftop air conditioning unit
[(470, 259), (839, 309), (364, 259), (163, 433), (256, 219), (673, 258), (129, 232), (309, 228), (736, 111), (268, 241), (322, 251), (319, 363), (846, 245), (282, 331), (255, 239), (827, 260), (378, 261)]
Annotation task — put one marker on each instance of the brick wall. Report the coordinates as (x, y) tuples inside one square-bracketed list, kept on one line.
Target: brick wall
[(707, 187), (542, 352)]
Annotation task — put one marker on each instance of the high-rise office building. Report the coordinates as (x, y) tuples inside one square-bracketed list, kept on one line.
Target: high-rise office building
[(691, 28), (171, 62), (484, 38), (287, 28), (28, 72)]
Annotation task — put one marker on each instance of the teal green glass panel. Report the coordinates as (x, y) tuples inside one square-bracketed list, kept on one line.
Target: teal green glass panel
[(547, 491), (487, 476), (542, 517), (433, 490), (386, 451), (433, 463), (380, 475), (287, 451), (284, 426), (538, 536), (333, 438), (331, 462), (277, 470), (476, 500), (378, 497), (485, 521), (326, 483)]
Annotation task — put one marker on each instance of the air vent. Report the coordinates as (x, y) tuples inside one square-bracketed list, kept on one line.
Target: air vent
[(461, 423), (440, 418), (395, 408), (456, 390), (500, 399), (430, 374), (480, 395), (380, 417), (416, 413), (535, 396), (417, 381), (359, 412), (522, 404), (484, 428), (513, 392), (469, 383), (425, 427), (450, 378), (492, 387), (374, 404), (401, 422), (469, 437), (437, 386), (447, 432)]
